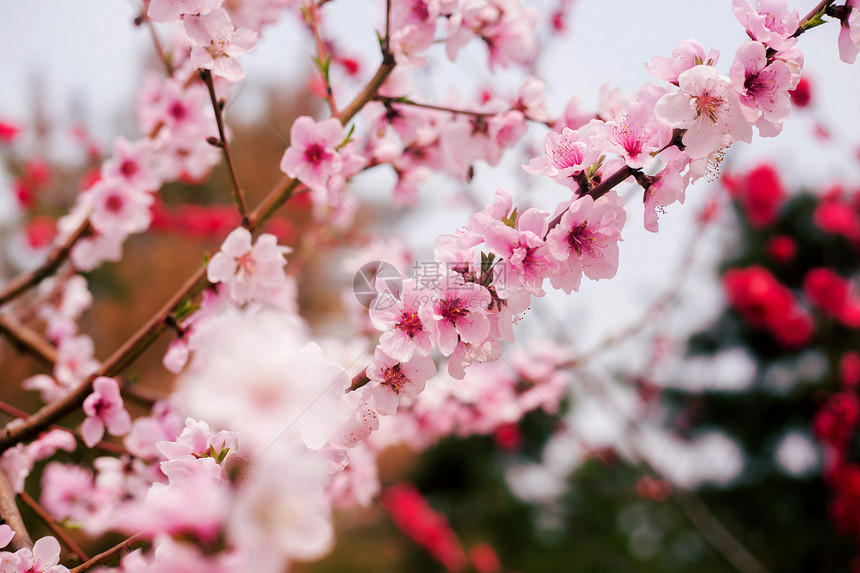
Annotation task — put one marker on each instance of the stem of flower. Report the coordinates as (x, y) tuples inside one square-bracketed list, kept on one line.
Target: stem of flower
[(23, 282), (238, 194), (104, 556), (53, 525)]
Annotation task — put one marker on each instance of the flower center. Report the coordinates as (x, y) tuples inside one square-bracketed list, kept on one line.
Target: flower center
[(709, 105), (451, 309), (395, 378), (568, 154), (581, 240), (410, 323)]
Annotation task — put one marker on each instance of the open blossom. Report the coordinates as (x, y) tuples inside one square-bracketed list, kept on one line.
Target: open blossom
[(460, 313), (566, 154), (707, 106), (43, 558), (251, 272), (104, 409), (522, 247), (164, 11), (586, 240), (219, 43), (404, 321), (391, 379), (772, 23), (686, 56), (133, 163), (313, 157), (119, 209), (763, 87)]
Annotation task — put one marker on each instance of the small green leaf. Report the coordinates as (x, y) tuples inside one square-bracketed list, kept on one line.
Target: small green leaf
[(511, 220), (348, 137)]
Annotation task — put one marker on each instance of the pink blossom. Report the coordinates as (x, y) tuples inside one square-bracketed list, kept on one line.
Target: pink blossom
[(522, 248), (104, 409), (69, 493), (164, 11), (132, 163), (685, 57), (763, 87), (770, 24), (119, 209), (17, 462), (360, 421), (251, 272), (391, 379), (44, 557), (566, 155), (219, 43), (460, 313), (6, 535), (586, 240), (404, 321), (707, 106), (666, 187), (849, 34), (312, 157), (282, 512), (185, 153)]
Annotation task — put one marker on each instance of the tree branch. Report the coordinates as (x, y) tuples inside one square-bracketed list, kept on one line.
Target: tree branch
[(23, 282), (104, 556), (53, 525)]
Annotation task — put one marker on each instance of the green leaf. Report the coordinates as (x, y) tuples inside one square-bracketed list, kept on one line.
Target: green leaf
[(511, 220), (348, 137)]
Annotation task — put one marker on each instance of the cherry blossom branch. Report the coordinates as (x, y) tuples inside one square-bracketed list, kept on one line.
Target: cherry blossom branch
[(10, 514), (23, 282), (599, 190), (195, 284), (122, 357), (476, 114), (813, 15), (238, 194), (104, 556), (159, 50), (53, 525), (27, 339)]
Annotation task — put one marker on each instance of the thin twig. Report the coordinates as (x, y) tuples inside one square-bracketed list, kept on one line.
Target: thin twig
[(23, 282), (238, 194), (28, 339), (322, 56), (104, 556), (53, 525), (455, 111)]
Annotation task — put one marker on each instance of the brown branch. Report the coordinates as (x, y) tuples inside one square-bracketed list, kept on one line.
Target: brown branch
[(53, 525), (104, 556), (439, 108), (238, 194), (23, 282), (28, 339), (122, 357), (9, 512)]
